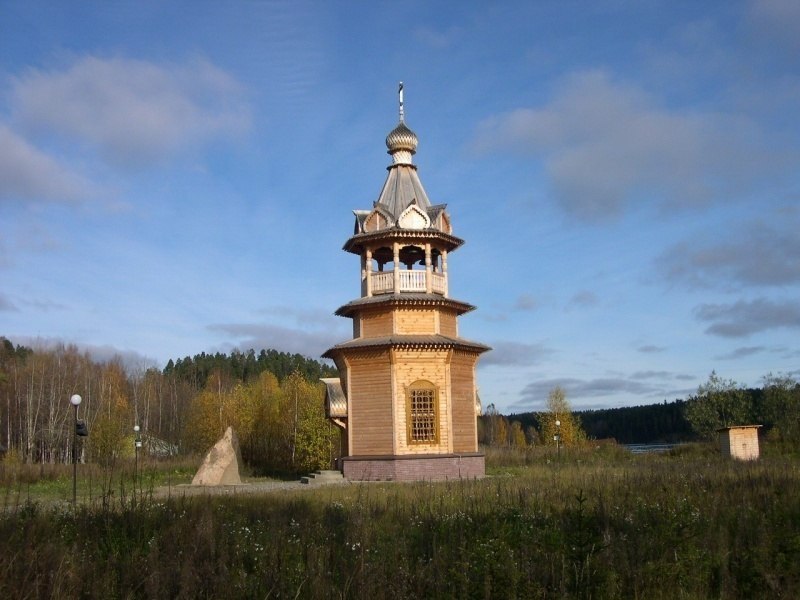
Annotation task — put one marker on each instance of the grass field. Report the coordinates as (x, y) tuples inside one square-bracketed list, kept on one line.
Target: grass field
[(594, 523)]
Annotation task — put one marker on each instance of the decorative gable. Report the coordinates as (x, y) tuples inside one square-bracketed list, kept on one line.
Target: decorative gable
[(361, 216), (445, 224), (439, 219), (414, 217), (378, 219)]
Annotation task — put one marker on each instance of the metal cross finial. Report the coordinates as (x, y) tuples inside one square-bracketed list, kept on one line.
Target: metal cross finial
[(400, 93)]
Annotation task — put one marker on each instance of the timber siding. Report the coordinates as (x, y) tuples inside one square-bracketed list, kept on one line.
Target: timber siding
[(740, 442), (447, 324), (376, 323), (370, 404), (427, 365), (462, 378), (416, 321)]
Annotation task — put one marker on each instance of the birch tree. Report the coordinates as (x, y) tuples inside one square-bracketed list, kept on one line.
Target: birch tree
[(559, 410)]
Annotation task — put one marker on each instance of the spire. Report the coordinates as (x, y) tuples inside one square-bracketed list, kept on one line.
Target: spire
[(401, 141), (400, 94)]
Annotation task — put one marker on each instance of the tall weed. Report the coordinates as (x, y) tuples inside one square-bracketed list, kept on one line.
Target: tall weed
[(684, 526)]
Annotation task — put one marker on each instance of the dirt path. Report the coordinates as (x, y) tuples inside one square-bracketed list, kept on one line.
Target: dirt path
[(257, 487)]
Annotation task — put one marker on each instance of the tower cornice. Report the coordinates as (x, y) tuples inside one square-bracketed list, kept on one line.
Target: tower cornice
[(356, 243), (442, 342), (405, 300)]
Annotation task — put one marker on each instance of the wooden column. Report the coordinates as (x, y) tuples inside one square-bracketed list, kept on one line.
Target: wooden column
[(368, 271), (428, 269), (444, 273), (396, 246)]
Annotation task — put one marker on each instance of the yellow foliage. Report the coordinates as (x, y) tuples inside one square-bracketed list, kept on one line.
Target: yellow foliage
[(518, 439), (568, 429)]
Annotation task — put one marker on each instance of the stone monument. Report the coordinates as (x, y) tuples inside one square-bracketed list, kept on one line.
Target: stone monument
[(221, 464)]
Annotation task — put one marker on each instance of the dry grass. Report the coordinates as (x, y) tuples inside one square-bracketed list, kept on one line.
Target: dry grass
[(588, 524)]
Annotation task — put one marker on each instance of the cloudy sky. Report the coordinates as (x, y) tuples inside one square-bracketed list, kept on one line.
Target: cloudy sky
[(178, 177)]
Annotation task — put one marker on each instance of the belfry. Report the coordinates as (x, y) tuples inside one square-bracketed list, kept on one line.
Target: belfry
[(406, 399)]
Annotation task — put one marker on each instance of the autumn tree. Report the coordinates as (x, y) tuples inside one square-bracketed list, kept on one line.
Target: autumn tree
[(281, 427), (260, 422), (782, 406), (718, 403), (111, 425), (494, 427), (312, 437), (210, 413), (517, 436), (569, 427)]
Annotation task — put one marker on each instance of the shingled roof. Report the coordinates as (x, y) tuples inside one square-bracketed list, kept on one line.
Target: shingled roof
[(406, 299), (409, 341)]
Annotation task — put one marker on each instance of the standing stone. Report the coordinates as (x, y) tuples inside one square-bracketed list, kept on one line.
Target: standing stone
[(221, 464)]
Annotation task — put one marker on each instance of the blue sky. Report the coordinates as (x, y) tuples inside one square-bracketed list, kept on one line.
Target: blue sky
[(178, 177)]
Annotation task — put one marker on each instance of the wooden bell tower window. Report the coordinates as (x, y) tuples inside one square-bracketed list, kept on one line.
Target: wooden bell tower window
[(422, 413)]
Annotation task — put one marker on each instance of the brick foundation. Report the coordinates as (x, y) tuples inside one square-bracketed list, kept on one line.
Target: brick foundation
[(424, 467)]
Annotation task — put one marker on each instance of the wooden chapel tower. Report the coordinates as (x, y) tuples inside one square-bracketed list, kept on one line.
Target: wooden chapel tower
[(406, 400)]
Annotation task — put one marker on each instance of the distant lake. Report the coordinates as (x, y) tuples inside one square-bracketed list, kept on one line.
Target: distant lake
[(645, 448)]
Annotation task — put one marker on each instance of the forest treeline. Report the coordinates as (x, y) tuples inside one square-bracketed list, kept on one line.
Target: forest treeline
[(272, 399), (717, 403), (245, 366)]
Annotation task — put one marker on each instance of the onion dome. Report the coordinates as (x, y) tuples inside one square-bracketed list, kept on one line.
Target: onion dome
[(401, 138), (401, 141)]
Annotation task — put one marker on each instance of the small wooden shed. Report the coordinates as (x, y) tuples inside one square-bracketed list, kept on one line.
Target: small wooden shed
[(740, 441)]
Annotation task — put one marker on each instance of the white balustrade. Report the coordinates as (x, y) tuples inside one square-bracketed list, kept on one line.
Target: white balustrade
[(382, 282), (410, 281), (439, 283)]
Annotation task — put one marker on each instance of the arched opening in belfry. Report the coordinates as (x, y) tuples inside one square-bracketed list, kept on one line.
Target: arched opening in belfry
[(408, 268), (412, 257), (381, 257)]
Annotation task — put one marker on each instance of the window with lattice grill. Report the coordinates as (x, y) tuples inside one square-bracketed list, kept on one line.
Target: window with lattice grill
[(422, 415)]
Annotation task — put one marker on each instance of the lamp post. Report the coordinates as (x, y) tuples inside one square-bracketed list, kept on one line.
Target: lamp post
[(136, 445), (557, 437), (75, 400)]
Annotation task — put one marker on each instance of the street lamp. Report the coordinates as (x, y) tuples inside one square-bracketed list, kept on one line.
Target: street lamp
[(75, 400), (557, 437), (136, 445)]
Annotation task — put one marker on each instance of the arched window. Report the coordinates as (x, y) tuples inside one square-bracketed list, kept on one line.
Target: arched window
[(422, 413)]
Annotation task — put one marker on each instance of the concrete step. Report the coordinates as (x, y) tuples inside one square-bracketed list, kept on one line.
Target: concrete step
[(323, 478)]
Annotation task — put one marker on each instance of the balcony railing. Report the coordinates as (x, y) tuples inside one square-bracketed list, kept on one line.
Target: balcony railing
[(410, 281)]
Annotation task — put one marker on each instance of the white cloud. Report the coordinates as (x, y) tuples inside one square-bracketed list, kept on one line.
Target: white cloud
[(777, 21), (300, 316), (583, 299), (284, 339), (27, 174), (438, 39), (535, 393), (131, 360), (742, 352), (643, 385), (650, 349), (6, 304), (744, 318), (755, 254), (515, 354), (606, 144), (136, 112), (526, 302)]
